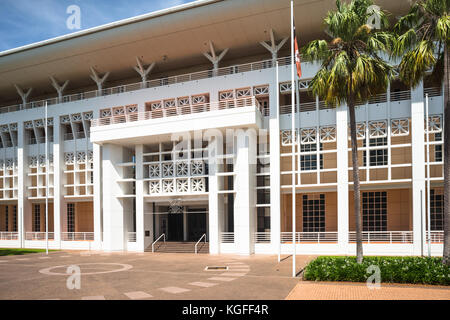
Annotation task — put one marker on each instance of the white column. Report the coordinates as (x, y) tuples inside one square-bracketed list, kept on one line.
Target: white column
[(215, 203), (114, 224), (342, 177), (58, 164), (418, 169), (23, 207), (97, 157), (245, 186), (140, 235), (275, 197)]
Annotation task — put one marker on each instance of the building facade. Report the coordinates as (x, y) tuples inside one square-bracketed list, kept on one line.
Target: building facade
[(202, 151)]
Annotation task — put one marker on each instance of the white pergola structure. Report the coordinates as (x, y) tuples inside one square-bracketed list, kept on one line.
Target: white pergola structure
[(215, 59), (24, 95), (59, 88), (273, 47), (143, 70), (99, 80)]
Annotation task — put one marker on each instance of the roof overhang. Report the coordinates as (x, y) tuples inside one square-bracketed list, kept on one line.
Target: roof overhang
[(174, 38)]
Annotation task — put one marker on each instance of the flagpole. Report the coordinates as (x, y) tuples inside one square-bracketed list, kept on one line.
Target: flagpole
[(278, 123), (428, 179), (46, 179), (293, 138)]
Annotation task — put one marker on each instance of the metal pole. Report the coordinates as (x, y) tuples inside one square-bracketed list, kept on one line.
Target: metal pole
[(46, 179), (428, 178), (278, 119), (293, 137)]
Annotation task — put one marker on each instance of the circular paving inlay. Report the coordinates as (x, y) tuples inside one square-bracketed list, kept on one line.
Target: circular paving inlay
[(89, 268)]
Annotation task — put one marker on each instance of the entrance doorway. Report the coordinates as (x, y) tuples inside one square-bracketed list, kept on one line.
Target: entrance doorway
[(196, 223), (188, 224), (175, 227)]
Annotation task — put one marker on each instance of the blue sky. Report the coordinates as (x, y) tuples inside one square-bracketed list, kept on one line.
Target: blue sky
[(27, 21)]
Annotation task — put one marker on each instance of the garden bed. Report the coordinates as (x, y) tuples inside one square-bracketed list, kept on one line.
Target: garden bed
[(415, 270)]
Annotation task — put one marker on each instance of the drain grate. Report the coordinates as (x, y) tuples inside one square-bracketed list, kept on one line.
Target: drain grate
[(216, 268)]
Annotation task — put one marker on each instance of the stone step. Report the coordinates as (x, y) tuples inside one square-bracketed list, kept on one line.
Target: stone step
[(179, 247)]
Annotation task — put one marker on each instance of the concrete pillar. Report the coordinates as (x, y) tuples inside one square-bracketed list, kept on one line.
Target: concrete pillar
[(215, 203), (342, 178), (245, 186), (97, 157), (149, 236), (114, 220), (59, 207), (275, 196), (23, 206), (140, 233), (418, 169)]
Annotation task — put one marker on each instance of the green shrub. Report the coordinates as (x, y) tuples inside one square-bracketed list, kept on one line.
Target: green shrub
[(393, 269)]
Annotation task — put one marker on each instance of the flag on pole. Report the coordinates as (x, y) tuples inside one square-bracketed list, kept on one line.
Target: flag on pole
[(297, 53)]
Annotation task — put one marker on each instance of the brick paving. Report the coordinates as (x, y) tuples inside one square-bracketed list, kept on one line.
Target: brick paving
[(308, 290)]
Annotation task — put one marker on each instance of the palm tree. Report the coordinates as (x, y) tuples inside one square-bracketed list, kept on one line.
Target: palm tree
[(423, 44), (352, 71)]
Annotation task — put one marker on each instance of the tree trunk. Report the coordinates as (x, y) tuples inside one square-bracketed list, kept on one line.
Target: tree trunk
[(356, 187), (446, 146)]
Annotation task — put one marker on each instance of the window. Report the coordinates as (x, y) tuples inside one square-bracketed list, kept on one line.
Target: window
[(6, 218), (438, 147), (71, 217), (263, 223), (309, 161), (314, 213), (437, 209), (37, 218), (378, 157), (14, 219), (374, 211)]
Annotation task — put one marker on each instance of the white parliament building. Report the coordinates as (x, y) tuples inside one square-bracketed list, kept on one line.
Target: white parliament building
[(171, 132)]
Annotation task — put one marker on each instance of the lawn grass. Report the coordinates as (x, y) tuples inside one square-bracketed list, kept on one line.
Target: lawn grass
[(414, 270), (19, 252)]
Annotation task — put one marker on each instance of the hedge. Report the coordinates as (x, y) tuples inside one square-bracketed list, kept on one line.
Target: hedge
[(416, 270)]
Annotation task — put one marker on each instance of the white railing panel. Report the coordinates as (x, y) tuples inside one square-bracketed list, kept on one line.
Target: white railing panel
[(9, 235), (77, 236), (261, 237), (384, 236), (38, 235), (131, 236), (227, 237)]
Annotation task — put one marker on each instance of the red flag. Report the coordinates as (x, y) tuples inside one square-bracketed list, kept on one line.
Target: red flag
[(297, 55)]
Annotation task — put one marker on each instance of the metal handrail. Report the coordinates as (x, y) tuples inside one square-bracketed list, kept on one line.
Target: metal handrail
[(203, 236), (153, 244)]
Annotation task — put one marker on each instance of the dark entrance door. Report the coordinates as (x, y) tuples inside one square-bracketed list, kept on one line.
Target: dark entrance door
[(175, 227), (196, 223)]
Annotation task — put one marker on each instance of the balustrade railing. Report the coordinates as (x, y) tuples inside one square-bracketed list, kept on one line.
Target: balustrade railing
[(9, 235), (38, 235), (384, 236), (131, 236), (77, 236), (177, 111), (227, 237), (261, 237), (315, 237)]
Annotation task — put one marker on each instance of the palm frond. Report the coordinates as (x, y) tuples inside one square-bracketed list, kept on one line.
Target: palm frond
[(416, 62)]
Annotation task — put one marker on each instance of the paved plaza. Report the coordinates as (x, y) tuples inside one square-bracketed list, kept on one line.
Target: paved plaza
[(146, 276), (139, 276)]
